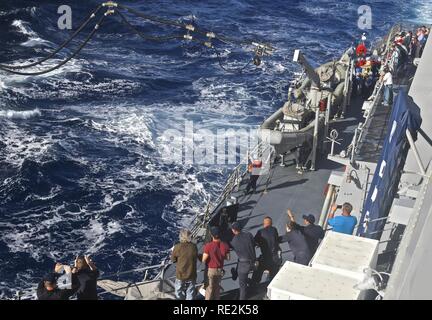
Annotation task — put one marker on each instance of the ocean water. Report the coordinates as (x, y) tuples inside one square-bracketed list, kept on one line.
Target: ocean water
[(80, 157)]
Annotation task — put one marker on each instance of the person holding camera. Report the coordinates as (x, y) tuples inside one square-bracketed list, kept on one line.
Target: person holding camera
[(85, 274), (344, 223), (48, 289)]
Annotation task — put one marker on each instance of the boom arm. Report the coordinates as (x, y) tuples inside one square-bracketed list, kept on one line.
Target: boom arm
[(299, 58)]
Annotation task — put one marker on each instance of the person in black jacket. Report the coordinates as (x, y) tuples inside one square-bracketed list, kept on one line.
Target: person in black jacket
[(244, 246), (85, 275), (310, 230), (297, 243), (267, 239), (47, 289)]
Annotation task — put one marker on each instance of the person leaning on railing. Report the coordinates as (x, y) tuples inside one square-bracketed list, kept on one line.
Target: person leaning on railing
[(185, 255)]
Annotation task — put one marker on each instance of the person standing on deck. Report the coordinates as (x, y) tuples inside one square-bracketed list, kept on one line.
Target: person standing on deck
[(267, 239), (297, 243), (48, 290), (86, 274), (387, 79), (344, 223), (215, 252), (185, 254), (313, 233), (244, 246), (253, 178)]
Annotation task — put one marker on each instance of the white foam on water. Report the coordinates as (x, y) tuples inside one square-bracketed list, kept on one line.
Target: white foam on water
[(97, 232), (30, 86), (123, 123), (27, 237), (34, 39), (423, 12), (21, 144), (24, 28), (17, 114)]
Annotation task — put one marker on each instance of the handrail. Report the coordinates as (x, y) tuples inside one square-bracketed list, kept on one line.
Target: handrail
[(134, 270), (233, 180)]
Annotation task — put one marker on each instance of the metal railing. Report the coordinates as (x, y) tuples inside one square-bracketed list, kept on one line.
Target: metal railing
[(199, 223), (232, 182)]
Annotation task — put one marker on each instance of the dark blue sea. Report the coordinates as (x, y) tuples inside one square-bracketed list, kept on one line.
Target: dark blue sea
[(80, 162)]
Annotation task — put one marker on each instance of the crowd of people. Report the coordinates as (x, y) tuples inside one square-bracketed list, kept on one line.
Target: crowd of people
[(303, 241), (82, 281), (380, 65)]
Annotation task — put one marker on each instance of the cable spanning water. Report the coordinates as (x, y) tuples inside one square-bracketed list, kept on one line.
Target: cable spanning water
[(261, 49), (80, 167)]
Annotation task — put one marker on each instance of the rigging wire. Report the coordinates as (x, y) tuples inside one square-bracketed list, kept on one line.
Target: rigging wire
[(163, 38), (62, 46), (83, 44), (144, 36), (209, 37), (189, 27), (187, 36)]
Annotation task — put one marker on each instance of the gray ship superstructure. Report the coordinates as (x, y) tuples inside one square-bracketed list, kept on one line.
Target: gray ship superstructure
[(340, 159)]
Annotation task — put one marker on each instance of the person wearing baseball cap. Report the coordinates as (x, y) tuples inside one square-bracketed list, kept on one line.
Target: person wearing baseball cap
[(297, 243), (313, 233), (243, 245)]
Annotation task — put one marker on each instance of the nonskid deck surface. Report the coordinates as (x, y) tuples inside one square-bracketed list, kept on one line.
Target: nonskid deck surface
[(282, 188), (375, 131)]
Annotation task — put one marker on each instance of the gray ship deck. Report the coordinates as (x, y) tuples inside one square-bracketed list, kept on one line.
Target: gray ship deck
[(302, 193), (376, 129)]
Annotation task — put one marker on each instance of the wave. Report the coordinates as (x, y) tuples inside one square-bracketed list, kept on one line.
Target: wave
[(31, 10), (14, 114), (89, 177), (34, 39), (24, 28)]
